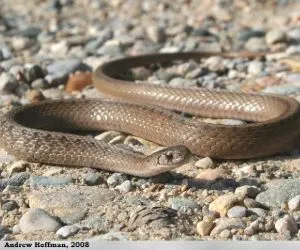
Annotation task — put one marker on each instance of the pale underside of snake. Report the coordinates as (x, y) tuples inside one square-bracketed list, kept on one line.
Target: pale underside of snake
[(41, 132)]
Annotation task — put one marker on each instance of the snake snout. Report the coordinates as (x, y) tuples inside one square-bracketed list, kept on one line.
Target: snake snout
[(173, 155)]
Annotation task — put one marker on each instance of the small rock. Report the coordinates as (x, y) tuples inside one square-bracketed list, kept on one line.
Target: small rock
[(275, 36), (250, 203), (257, 211), (226, 234), (116, 179), (53, 93), (125, 187), (37, 219), (66, 231), (237, 211), (78, 81), (247, 191), (10, 205), (8, 83), (255, 44), (204, 163), (215, 64), (183, 204), (47, 181), (246, 35), (18, 179), (17, 166), (211, 174), (227, 223), (286, 224), (294, 203), (92, 179), (16, 229), (156, 34), (35, 95), (31, 32), (33, 72), (39, 84), (21, 43), (252, 228), (255, 67), (205, 226), (223, 203), (65, 67)]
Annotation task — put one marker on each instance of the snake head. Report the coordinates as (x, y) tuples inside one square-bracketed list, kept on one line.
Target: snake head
[(167, 159)]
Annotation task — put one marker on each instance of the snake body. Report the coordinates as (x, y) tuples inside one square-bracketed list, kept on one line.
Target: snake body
[(40, 132)]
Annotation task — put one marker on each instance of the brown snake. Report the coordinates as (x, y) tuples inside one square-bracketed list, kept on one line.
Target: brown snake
[(31, 132)]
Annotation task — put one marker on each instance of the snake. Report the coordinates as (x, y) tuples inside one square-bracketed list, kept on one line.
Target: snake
[(49, 132)]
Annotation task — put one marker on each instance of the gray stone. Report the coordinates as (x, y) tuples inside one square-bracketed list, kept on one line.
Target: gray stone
[(255, 44), (10, 205), (112, 48), (294, 203), (72, 203), (247, 191), (66, 231), (92, 46), (279, 192), (228, 223), (246, 35), (275, 36), (5, 51), (8, 83), (33, 72), (53, 93), (125, 187), (183, 204), (257, 211), (31, 32), (284, 89), (250, 203), (65, 67), (99, 223), (18, 179), (286, 224), (38, 220), (39, 84), (48, 181), (16, 229), (215, 64), (237, 211), (92, 179), (116, 179)]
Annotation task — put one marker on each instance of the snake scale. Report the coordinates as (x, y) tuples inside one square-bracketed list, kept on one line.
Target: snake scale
[(41, 132)]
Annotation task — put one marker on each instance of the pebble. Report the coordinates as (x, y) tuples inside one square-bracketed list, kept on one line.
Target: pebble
[(237, 211), (252, 228), (294, 203), (9, 205), (16, 229), (17, 166), (35, 95), (78, 81), (211, 174), (215, 64), (124, 187), (156, 33), (8, 83), (284, 89), (257, 211), (64, 68), (116, 179), (226, 234), (39, 84), (279, 192), (251, 203), (247, 34), (53, 93), (183, 204), (92, 46), (223, 203), (5, 51), (30, 32), (247, 191), (92, 179), (72, 203), (205, 226), (33, 72), (275, 36), (36, 219), (204, 163), (256, 44), (21, 43), (227, 223), (286, 224), (66, 231), (255, 67), (48, 181), (18, 179)]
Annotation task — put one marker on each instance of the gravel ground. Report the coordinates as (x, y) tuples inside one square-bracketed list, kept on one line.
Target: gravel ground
[(47, 51)]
